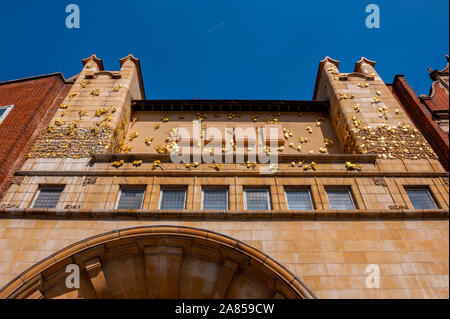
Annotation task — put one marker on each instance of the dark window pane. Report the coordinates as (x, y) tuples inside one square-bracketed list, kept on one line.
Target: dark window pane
[(340, 198), (215, 199), (173, 199), (48, 197), (299, 199), (2, 111), (257, 199), (131, 198), (420, 198)]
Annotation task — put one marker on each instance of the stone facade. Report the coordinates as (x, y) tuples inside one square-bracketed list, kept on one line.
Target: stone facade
[(106, 136)]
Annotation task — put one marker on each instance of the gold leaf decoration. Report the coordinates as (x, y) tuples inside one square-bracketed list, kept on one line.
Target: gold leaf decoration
[(134, 135), (117, 88), (73, 94), (126, 149), (100, 112), (351, 167), (133, 121), (376, 99), (342, 96), (156, 164), (118, 164), (363, 85), (148, 141), (137, 163)]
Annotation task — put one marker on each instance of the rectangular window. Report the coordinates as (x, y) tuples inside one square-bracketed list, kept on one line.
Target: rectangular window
[(257, 199), (48, 196), (299, 199), (131, 198), (215, 198), (340, 198), (4, 110), (173, 199), (421, 198)]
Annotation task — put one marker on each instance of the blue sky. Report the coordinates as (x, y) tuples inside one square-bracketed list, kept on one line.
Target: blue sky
[(225, 49)]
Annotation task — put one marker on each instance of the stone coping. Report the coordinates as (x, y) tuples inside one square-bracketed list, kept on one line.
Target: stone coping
[(286, 215), (227, 173), (282, 158), (231, 105)]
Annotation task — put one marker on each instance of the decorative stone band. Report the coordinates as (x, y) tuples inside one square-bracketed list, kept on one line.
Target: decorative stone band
[(395, 213), (90, 252), (93, 75), (346, 76), (237, 173)]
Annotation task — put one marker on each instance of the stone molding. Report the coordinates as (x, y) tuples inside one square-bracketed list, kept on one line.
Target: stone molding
[(238, 173), (396, 212)]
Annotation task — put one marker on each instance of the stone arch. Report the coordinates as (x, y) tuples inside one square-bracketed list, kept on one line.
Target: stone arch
[(159, 262)]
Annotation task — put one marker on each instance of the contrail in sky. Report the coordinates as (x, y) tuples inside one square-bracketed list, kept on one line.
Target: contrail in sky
[(216, 27)]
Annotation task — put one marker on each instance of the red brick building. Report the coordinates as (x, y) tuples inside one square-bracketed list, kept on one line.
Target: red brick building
[(26, 107), (430, 113)]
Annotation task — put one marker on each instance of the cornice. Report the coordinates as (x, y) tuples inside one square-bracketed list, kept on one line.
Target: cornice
[(232, 173), (287, 215)]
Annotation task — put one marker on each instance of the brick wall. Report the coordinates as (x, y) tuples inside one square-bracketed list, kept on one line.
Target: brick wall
[(422, 118), (439, 100), (35, 101)]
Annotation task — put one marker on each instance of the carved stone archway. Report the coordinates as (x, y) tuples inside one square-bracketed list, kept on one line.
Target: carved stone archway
[(159, 262)]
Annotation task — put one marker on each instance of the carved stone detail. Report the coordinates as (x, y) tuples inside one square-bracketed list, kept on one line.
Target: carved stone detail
[(89, 180), (379, 181), (398, 207), (17, 180), (8, 205)]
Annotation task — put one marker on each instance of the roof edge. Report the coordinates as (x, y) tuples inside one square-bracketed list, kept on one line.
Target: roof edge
[(57, 74)]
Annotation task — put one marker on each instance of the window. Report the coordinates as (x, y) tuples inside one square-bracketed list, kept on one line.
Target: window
[(420, 197), (340, 198), (215, 198), (131, 198), (257, 199), (172, 199), (47, 196), (299, 199), (4, 110)]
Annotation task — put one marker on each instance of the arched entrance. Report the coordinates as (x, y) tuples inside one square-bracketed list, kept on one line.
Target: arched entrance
[(159, 262)]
